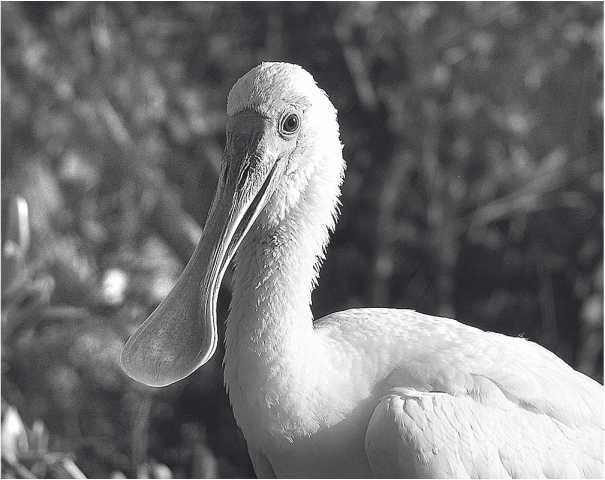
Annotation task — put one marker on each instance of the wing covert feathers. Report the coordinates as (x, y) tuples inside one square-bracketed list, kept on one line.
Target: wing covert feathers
[(416, 433)]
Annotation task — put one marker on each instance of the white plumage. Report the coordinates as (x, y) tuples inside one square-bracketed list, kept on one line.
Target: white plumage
[(359, 393)]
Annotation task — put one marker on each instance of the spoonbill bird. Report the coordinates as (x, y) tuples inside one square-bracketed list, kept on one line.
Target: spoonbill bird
[(358, 393)]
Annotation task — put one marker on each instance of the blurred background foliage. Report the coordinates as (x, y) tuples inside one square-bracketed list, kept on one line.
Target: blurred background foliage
[(473, 135)]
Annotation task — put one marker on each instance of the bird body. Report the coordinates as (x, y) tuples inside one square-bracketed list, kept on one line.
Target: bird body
[(358, 393), (478, 404)]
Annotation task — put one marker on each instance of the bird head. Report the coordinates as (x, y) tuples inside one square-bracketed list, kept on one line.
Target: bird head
[(282, 136)]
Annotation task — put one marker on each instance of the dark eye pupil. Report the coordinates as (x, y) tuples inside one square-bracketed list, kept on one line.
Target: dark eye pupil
[(291, 123)]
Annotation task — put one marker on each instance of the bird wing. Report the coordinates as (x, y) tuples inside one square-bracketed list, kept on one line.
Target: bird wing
[(418, 434), (458, 401), (451, 421)]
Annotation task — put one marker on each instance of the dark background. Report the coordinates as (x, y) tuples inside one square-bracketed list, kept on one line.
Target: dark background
[(473, 135)]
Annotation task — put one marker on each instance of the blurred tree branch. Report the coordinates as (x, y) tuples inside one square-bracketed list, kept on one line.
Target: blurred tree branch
[(356, 64)]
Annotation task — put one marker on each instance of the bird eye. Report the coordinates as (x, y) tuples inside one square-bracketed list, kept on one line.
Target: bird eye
[(289, 124)]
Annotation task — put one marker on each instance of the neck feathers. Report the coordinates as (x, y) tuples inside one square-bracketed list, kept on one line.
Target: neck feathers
[(277, 267), (270, 341), (278, 263)]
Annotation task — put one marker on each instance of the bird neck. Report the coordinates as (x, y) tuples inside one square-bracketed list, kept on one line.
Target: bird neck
[(270, 336), (270, 319)]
